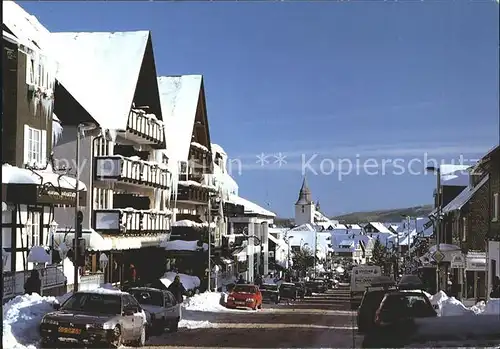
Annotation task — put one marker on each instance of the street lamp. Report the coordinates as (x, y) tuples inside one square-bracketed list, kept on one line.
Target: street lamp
[(52, 229), (437, 171)]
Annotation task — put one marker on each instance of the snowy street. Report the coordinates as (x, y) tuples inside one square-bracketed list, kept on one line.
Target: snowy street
[(316, 322)]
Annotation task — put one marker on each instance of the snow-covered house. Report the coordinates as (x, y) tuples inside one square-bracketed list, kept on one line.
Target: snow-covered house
[(107, 98), (190, 160), (31, 185)]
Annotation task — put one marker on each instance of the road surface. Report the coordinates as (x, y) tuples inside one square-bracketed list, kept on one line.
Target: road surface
[(320, 321)]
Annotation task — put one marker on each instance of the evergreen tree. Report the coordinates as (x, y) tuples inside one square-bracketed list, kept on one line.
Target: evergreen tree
[(379, 254)]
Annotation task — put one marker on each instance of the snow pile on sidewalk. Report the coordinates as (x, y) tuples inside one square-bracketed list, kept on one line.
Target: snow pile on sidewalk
[(21, 318), (450, 306), (207, 302), (188, 281)]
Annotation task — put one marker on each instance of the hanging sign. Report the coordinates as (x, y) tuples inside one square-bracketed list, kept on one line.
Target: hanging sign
[(457, 261)]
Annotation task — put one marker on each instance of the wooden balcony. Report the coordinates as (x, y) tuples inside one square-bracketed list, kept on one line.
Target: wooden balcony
[(200, 158), (145, 128), (130, 170), (130, 220), (192, 192)]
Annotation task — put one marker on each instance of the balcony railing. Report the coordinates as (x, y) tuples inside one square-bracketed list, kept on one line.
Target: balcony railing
[(146, 126), (130, 170), (189, 191), (130, 220)]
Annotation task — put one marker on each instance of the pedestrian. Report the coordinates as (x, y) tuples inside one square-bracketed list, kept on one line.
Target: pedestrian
[(33, 284), (177, 289), (241, 281), (132, 273)]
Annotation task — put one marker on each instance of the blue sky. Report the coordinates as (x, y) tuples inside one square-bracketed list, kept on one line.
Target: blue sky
[(335, 82)]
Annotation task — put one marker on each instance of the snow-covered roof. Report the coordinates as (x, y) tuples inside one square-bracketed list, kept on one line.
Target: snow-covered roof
[(182, 245), (100, 70), (16, 175), (26, 27), (179, 97), (454, 175), (465, 195), (304, 227), (279, 242), (380, 227), (250, 207)]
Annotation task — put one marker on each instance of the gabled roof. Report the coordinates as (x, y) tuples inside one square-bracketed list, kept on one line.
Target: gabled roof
[(25, 27), (101, 70), (465, 195), (380, 227), (179, 97)]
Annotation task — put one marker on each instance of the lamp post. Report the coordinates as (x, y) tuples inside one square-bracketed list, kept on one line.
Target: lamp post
[(80, 129), (437, 171)]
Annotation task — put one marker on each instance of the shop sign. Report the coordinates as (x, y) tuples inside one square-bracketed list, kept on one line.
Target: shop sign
[(56, 196), (476, 264), (457, 261)]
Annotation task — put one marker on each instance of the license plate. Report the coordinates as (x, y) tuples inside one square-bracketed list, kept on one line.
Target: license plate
[(240, 303), (68, 330)]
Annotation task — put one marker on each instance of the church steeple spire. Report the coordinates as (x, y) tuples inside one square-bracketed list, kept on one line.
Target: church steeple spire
[(305, 197)]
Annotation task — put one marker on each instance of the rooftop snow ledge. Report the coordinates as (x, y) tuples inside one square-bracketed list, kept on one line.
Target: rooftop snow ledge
[(199, 146)]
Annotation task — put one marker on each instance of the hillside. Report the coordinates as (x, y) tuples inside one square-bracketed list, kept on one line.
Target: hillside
[(394, 215)]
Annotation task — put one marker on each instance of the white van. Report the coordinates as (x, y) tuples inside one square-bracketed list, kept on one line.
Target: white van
[(362, 277)]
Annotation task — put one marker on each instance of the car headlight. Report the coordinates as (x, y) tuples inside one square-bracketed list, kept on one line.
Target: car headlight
[(249, 300), (49, 321), (94, 326)]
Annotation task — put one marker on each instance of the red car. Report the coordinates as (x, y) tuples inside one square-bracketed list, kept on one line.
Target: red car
[(245, 296)]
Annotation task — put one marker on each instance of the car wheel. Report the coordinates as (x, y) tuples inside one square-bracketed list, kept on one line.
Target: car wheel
[(116, 337), (141, 341), (174, 327)]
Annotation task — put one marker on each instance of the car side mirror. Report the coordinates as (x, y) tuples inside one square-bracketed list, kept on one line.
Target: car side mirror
[(56, 306)]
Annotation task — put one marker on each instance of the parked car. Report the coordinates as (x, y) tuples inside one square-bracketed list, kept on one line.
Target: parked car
[(369, 304), (245, 296), (301, 289), (288, 290), (270, 293), (315, 286), (96, 317), (394, 317), (162, 307), (432, 332)]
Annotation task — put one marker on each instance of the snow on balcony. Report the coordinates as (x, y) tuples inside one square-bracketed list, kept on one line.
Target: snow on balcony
[(131, 170), (131, 220), (146, 128), (199, 146), (183, 245)]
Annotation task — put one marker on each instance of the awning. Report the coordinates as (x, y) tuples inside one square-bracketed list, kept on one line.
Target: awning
[(99, 242), (463, 198), (278, 242)]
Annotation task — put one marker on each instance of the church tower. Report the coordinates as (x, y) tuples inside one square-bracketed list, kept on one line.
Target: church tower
[(304, 207)]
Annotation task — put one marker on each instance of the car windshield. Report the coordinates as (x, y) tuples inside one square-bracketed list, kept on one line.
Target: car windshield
[(148, 297), (244, 289), (269, 287), (413, 305), (94, 303)]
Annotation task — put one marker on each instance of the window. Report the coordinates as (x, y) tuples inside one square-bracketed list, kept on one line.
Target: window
[(496, 207), (35, 146), (30, 71), (33, 231), (302, 208)]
